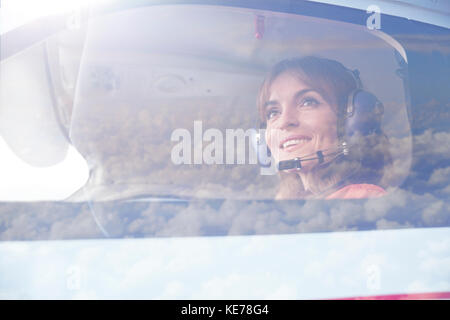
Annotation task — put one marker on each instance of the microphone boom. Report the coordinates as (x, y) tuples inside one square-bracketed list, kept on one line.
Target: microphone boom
[(296, 163)]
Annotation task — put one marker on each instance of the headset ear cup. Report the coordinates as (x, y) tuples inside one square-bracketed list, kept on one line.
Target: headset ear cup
[(361, 121), (366, 114)]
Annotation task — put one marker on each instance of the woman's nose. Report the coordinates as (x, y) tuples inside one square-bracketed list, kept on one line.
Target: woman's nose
[(289, 118)]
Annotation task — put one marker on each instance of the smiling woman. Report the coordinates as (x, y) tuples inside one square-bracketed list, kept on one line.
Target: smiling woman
[(323, 130)]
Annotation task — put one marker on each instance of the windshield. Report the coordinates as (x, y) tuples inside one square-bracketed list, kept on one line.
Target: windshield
[(174, 115), (229, 121)]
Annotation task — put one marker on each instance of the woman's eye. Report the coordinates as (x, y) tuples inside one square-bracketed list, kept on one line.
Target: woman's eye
[(271, 113), (309, 102)]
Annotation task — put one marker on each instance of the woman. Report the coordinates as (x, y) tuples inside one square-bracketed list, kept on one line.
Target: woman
[(302, 105)]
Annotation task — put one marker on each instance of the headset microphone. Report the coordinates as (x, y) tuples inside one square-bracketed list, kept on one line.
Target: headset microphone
[(290, 164), (296, 163)]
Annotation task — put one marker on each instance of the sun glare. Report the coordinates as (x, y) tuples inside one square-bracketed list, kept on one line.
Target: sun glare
[(14, 13)]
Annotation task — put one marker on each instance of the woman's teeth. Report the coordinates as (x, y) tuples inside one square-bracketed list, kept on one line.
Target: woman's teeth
[(293, 142)]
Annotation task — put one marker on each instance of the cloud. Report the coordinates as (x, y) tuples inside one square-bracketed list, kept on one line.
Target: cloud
[(434, 266), (323, 265), (398, 209), (432, 143), (375, 209), (173, 290), (46, 221), (440, 176), (258, 285), (384, 224), (434, 213)]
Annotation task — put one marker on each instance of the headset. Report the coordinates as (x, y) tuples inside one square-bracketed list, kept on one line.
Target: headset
[(359, 119)]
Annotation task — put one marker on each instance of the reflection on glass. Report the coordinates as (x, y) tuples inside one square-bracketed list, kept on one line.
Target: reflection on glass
[(171, 113), (172, 122)]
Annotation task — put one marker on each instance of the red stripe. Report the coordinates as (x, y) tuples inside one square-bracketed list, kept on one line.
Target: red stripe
[(414, 296)]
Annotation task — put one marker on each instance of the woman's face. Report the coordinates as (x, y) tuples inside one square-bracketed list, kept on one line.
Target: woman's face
[(300, 121)]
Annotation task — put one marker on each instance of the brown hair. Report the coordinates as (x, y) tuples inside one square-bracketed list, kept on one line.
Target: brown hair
[(335, 83)]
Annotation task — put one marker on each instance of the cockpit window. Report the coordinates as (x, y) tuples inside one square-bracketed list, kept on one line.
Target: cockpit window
[(170, 110), (229, 120)]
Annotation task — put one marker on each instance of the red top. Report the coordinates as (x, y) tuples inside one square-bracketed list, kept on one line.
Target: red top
[(358, 191)]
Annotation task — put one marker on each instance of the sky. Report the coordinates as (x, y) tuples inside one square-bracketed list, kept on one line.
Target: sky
[(14, 13), (303, 266)]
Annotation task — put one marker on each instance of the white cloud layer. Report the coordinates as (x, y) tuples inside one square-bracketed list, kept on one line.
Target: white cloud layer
[(324, 265)]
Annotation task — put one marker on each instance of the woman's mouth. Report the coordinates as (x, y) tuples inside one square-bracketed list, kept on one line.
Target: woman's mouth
[(293, 142)]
